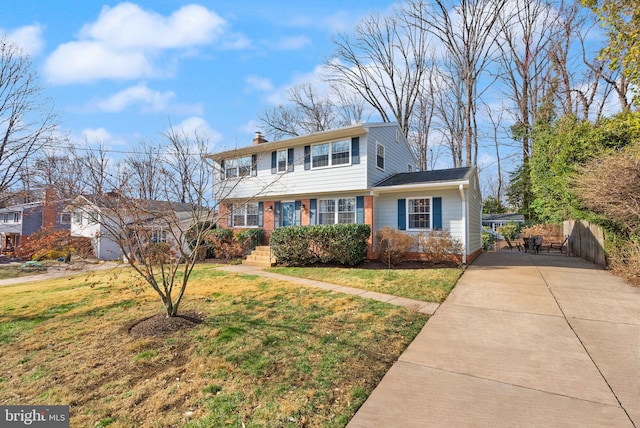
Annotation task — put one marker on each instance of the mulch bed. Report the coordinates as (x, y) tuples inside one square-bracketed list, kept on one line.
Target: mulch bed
[(162, 325)]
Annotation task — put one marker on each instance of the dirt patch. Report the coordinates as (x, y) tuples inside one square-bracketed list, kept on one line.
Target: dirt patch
[(161, 325)]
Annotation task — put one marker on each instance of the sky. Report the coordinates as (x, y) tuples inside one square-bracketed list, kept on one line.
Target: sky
[(123, 73)]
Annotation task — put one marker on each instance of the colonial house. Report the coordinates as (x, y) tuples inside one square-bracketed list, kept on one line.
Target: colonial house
[(111, 221), (22, 220), (364, 173)]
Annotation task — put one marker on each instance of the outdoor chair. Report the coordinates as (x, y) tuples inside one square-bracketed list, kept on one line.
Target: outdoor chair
[(558, 245), (510, 245)]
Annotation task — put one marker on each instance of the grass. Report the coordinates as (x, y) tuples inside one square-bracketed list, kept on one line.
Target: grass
[(14, 271), (269, 353), (429, 285)]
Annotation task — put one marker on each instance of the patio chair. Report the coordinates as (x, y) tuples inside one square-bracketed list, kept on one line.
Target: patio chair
[(558, 245), (537, 243), (510, 245)]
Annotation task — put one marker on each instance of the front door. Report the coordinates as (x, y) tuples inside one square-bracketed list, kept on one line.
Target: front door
[(288, 214)]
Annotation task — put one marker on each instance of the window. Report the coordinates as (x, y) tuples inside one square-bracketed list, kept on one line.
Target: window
[(409, 168), (77, 217), (5, 217), (239, 167), (380, 156), (331, 154), (332, 211), (419, 213), (65, 218), (282, 160), (245, 215), (158, 235), (93, 217)]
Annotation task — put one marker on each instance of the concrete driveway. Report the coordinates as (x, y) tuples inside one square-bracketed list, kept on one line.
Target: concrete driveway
[(522, 341)]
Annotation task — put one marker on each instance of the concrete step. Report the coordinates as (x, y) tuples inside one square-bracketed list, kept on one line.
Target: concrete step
[(261, 257)]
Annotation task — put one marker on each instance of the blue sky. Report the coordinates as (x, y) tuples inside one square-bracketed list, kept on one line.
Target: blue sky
[(121, 72)]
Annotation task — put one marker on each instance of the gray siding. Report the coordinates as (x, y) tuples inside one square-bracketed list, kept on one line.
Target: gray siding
[(386, 210), (474, 198), (31, 220), (397, 153)]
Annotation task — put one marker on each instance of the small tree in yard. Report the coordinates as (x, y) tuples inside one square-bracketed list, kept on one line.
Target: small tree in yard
[(162, 240)]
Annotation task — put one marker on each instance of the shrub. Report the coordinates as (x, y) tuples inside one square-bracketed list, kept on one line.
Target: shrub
[(393, 245), (440, 246), (487, 240), (51, 245), (158, 253), (225, 244), (250, 238), (344, 244), (510, 230)]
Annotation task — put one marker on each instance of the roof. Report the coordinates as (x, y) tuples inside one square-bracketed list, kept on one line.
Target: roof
[(503, 217), (113, 202), (317, 137), (436, 175)]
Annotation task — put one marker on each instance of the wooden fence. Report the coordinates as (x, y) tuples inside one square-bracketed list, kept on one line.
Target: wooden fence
[(586, 240)]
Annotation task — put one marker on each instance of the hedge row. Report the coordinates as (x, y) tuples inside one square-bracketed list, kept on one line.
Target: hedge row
[(344, 244)]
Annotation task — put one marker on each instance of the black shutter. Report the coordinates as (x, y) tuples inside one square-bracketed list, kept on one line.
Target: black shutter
[(290, 160), (355, 150), (222, 171), (360, 210), (254, 165), (402, 214), (274, 162), (307, 157)]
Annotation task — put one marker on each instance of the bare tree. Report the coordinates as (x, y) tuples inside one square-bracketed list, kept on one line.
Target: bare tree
[(144, 170), (422, 120), (384, 64), (96, 168), (467, 32), (62, 172), (449, 106), (27, 119)]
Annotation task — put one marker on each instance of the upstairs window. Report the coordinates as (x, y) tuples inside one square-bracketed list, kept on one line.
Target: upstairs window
[(238, 167), (282, 160), (331, 154), (380, 156)]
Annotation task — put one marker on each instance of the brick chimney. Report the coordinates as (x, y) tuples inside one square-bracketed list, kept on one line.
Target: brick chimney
[(49, 210), (259, 139)]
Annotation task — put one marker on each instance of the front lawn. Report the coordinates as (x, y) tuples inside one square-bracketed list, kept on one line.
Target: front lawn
[(428, 285), (268, 353)]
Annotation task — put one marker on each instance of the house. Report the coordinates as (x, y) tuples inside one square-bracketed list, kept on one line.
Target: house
[(111, 222), (22, 220), (493, 222), (364, 173)]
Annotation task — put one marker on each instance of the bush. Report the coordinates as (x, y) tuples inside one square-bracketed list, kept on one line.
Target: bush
[(225, 244), (344, 244), (250, 238), (393, 245), (510, 230), (487, 240), (440, 246), (51, 245)]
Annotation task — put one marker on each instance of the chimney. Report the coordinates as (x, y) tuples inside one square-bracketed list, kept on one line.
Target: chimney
[(259, 139), (49, 209)]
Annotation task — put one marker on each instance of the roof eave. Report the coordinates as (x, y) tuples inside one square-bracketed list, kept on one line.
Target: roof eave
[(418, 186)]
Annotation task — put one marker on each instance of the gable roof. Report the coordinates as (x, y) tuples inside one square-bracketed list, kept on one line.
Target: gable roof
[(433, 176), (114, 202)]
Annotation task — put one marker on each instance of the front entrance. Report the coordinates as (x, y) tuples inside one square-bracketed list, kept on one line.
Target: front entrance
[(288, 214)]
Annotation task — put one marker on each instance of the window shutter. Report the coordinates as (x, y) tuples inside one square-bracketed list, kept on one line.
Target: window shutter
[(254, 165), (437, 213), (360, 209), (222, 171), (312, 211), (276, 214), (355, 150), (274, 162), (229, 215), (307, 157), (290, 160), (297, 207), (260, 214), (402, 214)]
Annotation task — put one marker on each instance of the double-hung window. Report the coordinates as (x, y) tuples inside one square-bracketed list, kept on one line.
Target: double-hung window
[(282, 160), (419, 213), (332, 211), (238, 167), (158, 235), (331, 154), (246, 215)]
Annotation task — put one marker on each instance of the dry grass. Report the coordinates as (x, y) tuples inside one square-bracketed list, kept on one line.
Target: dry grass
[(268, 353)]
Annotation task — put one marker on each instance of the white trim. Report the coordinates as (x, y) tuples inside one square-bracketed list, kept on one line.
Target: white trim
[(406, 209)]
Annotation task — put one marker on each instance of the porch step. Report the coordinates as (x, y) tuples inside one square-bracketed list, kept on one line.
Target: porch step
[(260, 257)]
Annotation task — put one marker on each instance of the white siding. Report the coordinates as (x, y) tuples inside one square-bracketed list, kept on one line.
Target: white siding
[(386, 210)]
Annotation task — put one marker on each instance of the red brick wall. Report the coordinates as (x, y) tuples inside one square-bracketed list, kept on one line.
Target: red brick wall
[(49, 212)]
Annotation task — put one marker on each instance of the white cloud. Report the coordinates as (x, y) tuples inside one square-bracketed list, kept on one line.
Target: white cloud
[(127, 42), (127, 26), (257, 83), (293, 43), (96, 135), (28, 38), (197, 125), (140, 94)]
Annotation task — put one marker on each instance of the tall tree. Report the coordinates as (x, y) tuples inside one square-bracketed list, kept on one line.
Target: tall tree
[(27, 118), (467, 32), (144, 171), (384, 62)]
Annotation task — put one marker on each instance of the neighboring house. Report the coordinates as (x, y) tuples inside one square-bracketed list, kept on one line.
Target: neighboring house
[(20, 221), (494, 221), (106, 220), (358, 174)]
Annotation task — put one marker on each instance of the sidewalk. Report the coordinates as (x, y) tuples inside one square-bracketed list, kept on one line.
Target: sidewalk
[(522, 341), (59, 272)]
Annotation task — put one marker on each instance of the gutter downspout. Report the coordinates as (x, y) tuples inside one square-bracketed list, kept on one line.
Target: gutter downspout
[(464, 224)]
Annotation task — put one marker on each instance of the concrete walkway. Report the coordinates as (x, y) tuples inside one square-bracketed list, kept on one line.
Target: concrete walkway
[(522, 341), (414, 305)]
